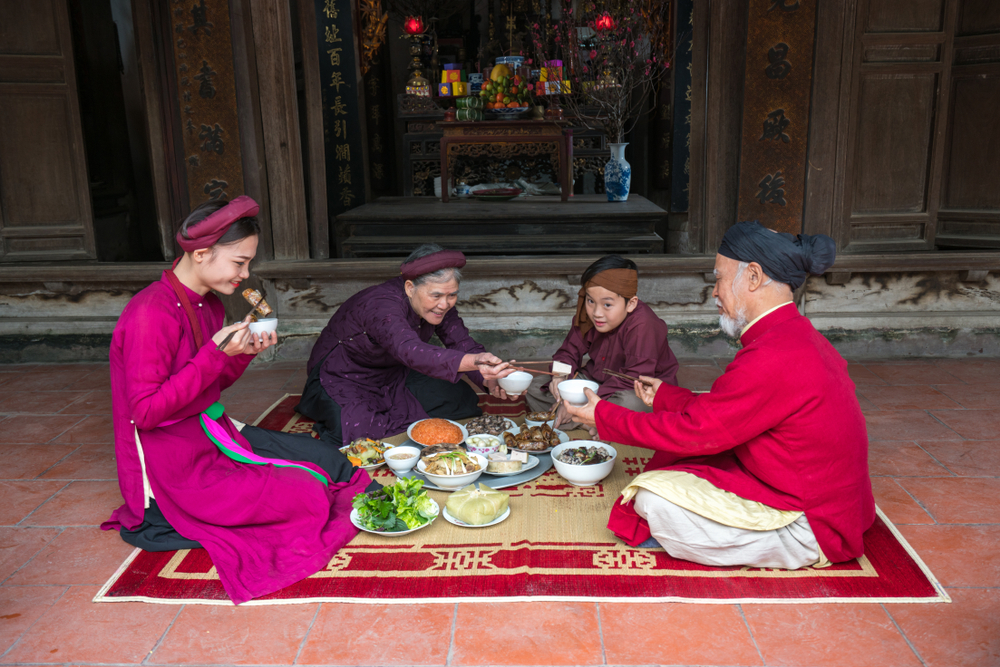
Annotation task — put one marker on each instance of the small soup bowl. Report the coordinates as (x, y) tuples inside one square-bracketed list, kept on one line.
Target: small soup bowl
[(264, 326), (572, 390), (515, 383), (402, 465)]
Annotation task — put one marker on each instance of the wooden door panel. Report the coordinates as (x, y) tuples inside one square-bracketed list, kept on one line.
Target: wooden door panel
[(33, 191), (894, 126), (973, 179), (29, 28), (45, 210), (979, 17), (905, 15)]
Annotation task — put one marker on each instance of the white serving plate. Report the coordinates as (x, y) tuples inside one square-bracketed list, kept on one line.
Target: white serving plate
[(356, 520), (532, 462), (370, 466), (450, 519), (563, 438), (409, 431)]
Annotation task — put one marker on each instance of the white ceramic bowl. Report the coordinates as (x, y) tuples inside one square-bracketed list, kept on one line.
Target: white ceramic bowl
[(455, 482), (588, 475), (402, 465), (516, 383), (266, 325), (572, 390), (490, 444)]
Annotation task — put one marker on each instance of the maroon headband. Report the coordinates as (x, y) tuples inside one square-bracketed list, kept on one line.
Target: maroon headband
[(207, 233), (442, 259)]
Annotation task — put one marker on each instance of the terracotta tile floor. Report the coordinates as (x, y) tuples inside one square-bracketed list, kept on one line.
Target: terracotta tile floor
[(934, 427)]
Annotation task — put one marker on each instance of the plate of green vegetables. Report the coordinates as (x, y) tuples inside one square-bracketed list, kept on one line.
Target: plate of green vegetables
[(395, 510)]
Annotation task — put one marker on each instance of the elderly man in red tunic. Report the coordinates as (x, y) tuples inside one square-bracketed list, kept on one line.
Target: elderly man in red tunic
[(769, 468)]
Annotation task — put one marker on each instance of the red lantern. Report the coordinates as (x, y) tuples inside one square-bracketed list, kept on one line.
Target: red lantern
[(413, 25), (604, 22)]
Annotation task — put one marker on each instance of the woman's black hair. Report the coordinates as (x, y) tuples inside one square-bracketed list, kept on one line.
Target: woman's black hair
[(239, 230), (605, 263)]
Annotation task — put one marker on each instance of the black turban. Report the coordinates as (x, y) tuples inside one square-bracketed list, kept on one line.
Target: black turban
[(784, 257)]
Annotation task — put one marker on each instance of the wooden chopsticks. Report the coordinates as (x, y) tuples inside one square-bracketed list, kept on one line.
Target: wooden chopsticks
[(608, 371)]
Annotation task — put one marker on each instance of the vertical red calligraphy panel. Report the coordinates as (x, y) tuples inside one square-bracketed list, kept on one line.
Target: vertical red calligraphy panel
[(777, 89)]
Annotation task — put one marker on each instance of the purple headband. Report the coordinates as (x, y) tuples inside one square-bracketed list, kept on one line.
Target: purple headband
[(442, 259), (207, 233)]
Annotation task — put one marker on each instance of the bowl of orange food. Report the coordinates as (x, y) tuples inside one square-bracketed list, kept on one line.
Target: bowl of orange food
[(435, 431)]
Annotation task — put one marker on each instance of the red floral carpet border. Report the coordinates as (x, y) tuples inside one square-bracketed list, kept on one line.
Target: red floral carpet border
[(554, 547)]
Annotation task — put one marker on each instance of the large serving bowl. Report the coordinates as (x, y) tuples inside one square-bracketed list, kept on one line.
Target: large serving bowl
[(584, 475), (515, 383), (455, 482), (572, 390), (402, 465)]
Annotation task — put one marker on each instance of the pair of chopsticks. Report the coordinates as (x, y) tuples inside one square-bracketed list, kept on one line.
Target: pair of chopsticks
[(612, 373), (530, 370), (229, 337)]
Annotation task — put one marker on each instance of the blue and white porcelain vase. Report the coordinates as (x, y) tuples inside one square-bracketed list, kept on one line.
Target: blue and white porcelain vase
[(617, 174)]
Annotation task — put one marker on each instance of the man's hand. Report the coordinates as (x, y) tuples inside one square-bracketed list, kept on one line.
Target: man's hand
[(495, 389), (645, 391), (584, 414), (554, 387)]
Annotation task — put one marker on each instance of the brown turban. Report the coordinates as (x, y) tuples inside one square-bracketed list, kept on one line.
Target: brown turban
[(620, 281)]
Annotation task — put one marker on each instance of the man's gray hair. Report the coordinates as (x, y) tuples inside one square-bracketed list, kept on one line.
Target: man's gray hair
[(439, 276)]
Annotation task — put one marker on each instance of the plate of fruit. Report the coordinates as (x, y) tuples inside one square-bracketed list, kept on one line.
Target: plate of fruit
[(505, 94)]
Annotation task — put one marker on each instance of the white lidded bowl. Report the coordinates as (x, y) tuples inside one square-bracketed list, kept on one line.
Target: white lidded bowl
[(580, 475), (402, 465), (266, 325), (572, 390), (455, 482), (515, 383)]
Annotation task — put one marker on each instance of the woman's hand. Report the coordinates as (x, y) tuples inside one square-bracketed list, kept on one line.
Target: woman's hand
[(647, 392), (261, 342), (495, 389), (238, 343), (490, 365)]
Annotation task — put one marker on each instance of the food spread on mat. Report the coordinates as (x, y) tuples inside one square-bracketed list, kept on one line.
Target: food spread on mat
[(435, 431), (256, 299), (584, 456), (539, 416), (364, 452), (450, 463), (488, 424), (391, 509), (477, 507), (534, 439)]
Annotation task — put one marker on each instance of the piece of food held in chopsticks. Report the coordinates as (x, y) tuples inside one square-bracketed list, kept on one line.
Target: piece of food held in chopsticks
[(261, 309)]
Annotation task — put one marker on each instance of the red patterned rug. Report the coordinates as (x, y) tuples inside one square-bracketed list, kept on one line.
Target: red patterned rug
[(553, 546)]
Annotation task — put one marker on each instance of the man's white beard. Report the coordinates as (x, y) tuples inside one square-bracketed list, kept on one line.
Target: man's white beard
[(733, 326)]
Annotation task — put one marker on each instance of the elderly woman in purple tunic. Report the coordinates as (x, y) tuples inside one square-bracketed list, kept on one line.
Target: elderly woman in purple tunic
[(373, 372), (271, 508)]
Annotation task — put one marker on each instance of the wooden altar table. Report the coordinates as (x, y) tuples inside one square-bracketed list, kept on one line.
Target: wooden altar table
[(504, 139)]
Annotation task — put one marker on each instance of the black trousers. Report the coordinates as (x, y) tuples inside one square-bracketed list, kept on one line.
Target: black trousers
[(438, 398), (156, 534)]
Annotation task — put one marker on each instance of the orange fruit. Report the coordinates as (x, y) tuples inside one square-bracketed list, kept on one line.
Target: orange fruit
[(513, 105)]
